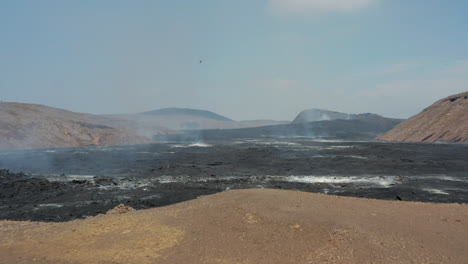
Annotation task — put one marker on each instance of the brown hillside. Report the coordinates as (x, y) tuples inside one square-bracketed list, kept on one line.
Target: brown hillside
[(25, 126), (250, 227), (445, 120)]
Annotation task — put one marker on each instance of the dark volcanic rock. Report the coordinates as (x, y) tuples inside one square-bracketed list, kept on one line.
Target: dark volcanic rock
[(65, 184)]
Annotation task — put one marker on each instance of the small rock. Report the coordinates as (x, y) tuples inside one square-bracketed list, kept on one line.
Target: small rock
[(120, 209)]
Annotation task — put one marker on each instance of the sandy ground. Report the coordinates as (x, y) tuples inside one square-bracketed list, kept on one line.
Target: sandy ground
[(250, 226)]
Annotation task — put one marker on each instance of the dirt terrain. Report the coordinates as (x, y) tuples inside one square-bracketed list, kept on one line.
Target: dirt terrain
[(71, 183), (445, 120), (250, 226)]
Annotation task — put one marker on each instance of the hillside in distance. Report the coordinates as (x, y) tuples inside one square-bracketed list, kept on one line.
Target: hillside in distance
[(186, 111), (313, 115), (333, 129), (309, 123), (186, 119), (445, 120), (28, 126)]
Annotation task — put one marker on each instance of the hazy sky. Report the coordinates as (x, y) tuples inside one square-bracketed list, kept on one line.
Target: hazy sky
[(262, 59)]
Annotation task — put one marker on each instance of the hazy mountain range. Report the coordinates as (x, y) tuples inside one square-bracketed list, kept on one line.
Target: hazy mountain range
[(27, 126), (24, 126), (149, 123)]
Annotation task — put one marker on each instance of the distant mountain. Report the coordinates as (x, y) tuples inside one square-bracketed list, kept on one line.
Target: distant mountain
[(187, 112), (313, 115), (352, 129), (309, 123), (26, 126), (445, 120), (185, 119)]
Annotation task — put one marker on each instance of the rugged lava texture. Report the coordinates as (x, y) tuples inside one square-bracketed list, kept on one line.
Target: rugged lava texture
[(25, 126), (250, 226), (66, 184), (445, 120)]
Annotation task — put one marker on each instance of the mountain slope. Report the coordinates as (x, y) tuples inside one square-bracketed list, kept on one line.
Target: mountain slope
[(187, 112), (313, 115), (186, 119), (24, 126), (445, 120)]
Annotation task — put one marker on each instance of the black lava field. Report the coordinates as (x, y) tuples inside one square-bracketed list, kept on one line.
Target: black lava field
[(70, 183)]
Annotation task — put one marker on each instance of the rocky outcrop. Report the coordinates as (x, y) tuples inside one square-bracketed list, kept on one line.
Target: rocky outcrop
[(26, 126), (446, 120)]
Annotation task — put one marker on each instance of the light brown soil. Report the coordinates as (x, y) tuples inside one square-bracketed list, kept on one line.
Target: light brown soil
[(445, 120), (251, 226)]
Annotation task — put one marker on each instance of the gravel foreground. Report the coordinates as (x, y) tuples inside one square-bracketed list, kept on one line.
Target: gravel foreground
[(250, 226)]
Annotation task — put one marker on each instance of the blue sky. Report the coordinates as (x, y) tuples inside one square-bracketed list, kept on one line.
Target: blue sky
[(262, 59)]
